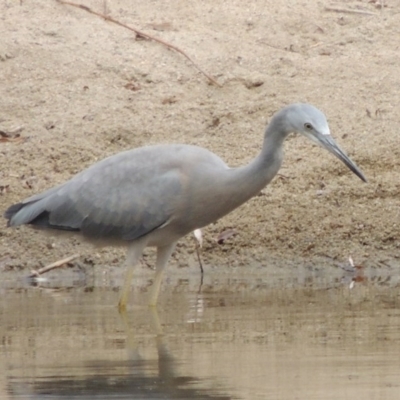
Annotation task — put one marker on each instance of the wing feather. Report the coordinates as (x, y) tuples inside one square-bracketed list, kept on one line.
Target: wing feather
[(123, 197)]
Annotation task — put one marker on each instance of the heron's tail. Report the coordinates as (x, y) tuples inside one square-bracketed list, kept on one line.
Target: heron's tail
[(26, 213)]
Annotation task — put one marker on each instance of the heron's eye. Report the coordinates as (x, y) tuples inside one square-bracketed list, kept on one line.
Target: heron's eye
[(308, 126)]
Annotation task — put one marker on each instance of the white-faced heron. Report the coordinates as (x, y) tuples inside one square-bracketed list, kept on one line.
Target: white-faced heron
[(154, 195)]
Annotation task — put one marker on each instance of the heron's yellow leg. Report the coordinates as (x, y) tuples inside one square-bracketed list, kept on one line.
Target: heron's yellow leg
[(124, 292), (163, 254), (132, 258)]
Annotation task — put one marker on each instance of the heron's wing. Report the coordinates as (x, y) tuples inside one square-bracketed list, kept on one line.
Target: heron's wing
[(122, 197)]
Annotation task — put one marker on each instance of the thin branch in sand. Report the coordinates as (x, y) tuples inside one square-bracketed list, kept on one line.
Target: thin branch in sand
[(140, 34), (349, 11), (56, 264)]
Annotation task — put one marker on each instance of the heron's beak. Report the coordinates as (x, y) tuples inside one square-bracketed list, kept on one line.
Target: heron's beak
[(329, 144)]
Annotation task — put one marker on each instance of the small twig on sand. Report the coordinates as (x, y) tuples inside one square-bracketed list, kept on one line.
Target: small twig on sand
[(12, 135), (57, 264), (349, 11), (140, 34)]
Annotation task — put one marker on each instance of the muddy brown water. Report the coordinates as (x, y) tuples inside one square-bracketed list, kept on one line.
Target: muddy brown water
[(275, 336)]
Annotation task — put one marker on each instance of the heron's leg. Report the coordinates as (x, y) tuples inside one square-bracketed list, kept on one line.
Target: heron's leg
[(163, 254), (132, 258)]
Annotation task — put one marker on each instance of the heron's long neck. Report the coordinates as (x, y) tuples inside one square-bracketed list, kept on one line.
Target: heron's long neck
[(253, 177), (231, 188)]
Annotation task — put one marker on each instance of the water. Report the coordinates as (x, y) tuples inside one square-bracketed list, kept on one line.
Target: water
[(237, 337)]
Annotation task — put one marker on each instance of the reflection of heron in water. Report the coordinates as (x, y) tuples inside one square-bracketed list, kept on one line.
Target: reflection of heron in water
[(135, 378)]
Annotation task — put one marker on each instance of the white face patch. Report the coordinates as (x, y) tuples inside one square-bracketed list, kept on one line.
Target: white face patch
[(326, 131)]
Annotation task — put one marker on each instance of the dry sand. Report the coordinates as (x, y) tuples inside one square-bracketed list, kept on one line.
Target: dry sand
[(82, 88)]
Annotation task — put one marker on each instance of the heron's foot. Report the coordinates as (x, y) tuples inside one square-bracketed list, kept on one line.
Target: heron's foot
[(153, 304), (121, 307)]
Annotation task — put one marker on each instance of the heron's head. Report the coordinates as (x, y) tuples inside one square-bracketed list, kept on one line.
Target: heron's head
[(311, 123)]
